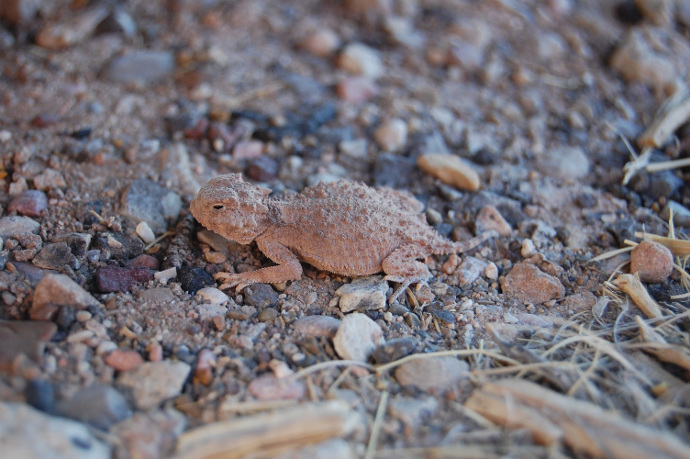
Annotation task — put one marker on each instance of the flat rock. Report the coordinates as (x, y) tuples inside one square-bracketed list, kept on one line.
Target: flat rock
[(450, 169), (317, 326), (23, 337), (652, 261), (158, 295), (213, 295), (154, 382), (140, 67), (60, 290), (357, 337), (98, 405), (147, 201), (363, 294), (29, 203), (116, 279), (433, 373), (55, 256), (529, 284), (209, 311), (260, 296), (17, 226), (29, 434)]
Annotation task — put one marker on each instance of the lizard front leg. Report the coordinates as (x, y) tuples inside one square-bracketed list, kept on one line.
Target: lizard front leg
[(402, 266), (288, 268)]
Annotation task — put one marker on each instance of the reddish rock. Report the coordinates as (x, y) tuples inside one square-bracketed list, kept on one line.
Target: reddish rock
[(30, 203), (124, 360), (529, 284), (144, 261), (652, 261), (203, 373), (115, 279)]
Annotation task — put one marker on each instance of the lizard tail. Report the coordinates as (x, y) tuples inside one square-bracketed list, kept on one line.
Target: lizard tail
[(446, 246)]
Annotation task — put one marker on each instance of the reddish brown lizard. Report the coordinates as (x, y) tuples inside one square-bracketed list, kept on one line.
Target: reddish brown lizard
[(344, 227)]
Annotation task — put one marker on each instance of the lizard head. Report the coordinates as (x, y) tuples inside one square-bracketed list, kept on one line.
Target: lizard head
[(233, 208)]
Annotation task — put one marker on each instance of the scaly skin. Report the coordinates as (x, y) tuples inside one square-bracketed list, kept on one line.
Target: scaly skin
[(346, 228)]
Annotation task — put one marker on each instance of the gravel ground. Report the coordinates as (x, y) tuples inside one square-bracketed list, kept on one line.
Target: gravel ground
[(497, 115)]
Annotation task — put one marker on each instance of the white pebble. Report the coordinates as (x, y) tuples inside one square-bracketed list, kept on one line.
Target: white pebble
[(528, 249), (357, 337), (360, 59), (5, 135), (164, 276), (145, 232), (83, 316), (213, 295), (491, 271), (391, 135)]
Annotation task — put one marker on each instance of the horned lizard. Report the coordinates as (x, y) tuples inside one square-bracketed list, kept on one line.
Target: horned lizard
[(346, 228)]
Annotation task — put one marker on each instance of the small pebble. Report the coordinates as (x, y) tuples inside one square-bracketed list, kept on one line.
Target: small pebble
[(193, 279), (82, 316), (491, 271), (565, 162), (124, 360), (528, 248), (267, 315), (248, 149), (49, 179), (432, 374), (363, 294), (321, 43), (356, 90), (361, 59), (260, 296), (489, 218), (529, 284), (268, 387), (213, 295), (145, 232), (451, 170), (652, 261), (203, 372), (391, 135), (144, 261), (317, 326), (357, 337), (30, 203), (164, 276), (469, 271)]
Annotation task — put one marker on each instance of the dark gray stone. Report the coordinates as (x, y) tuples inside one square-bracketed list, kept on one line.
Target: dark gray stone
[(55, 256), (260, 296), (98, 405), (147, 201)]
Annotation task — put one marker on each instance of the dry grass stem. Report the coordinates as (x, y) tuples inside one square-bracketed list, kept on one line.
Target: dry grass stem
[(677, 246), (376, 428), (654, 343), (611, 254), (673, 113), (586, 428), (631, 285), (266, 433)]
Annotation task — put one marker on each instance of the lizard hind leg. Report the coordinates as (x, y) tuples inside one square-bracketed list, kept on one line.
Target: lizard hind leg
[(401, 266)]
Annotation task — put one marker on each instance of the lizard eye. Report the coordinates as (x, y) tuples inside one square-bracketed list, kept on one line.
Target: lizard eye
[(218, 207)]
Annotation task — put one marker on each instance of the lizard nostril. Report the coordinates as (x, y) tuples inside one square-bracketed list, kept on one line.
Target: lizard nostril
[(219, 207)]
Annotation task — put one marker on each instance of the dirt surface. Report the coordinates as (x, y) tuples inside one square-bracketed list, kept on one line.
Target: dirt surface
[(114, 114)]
